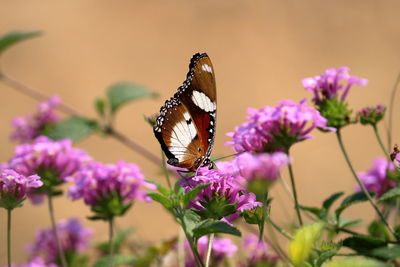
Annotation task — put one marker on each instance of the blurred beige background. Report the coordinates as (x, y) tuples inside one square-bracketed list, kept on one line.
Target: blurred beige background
[(260, 50)]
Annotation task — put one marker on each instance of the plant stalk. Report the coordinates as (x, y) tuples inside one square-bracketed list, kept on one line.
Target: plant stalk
[(111, 241), (9, 237), (378, 137), (296, 201), (362, 186), (61, 254), (209, 249)]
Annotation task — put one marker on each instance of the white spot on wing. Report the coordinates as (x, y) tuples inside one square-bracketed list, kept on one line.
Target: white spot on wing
[(202, 101), (206, 67), (182, 135)]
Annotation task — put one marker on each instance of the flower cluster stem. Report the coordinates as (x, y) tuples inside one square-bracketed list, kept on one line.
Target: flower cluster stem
[(279, 229), (378, 137), (9, 237), (61, 254), (111, 241), (362, 186), (296, 201), (209, 249)]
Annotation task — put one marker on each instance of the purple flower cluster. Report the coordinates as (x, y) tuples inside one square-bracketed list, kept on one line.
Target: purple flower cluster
[(221, 248), (376, 179), (259, 253), (36, 262), (95, 182), (14, 187), (73, 236), (277, 128), (329, 84), (53, 161), (371, 115), (29, 127), (223, 186)]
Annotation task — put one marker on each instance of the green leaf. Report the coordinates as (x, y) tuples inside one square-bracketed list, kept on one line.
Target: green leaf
[(123, 92), (193, 193), (163, 200), (74, 128), (363, 244), (211, 226), (378, 229), (354, 262), (351, 200), (330, 200), (191, 220), (117, 260), (303, 242), (389, 195), (326, 255), (345, 223), (314, 210), (12, 38), (119, 239), (389, 253), (100, 106)]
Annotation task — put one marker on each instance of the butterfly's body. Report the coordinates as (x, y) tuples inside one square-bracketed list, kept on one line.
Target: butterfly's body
[(185, 126)]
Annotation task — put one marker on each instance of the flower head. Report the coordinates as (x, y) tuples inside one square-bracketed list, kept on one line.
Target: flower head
[(225, 198), (376, 179), (277, 128), (14, 187), (102, 186), (73, 236), (258, 252), (329, 84), (53, 161), (29, 127), (371, 115), (221, 248)]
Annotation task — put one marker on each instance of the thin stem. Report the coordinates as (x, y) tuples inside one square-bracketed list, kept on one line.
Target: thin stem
[(209, 249), (111, 241), (56, 237), (39, 96), (362, 186), (193, 246), (9, 237), (296, 201), (279, 229), (378, 137), (166, 172), (391, 106)]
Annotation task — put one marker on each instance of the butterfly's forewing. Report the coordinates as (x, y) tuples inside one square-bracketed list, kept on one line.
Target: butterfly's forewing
[(185, 127)]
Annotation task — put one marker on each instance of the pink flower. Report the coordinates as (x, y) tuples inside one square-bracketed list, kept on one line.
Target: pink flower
[(277, 128), (36, 262), (14, 187), (330, 83), (29, 127), (258, 252), (73, 236)]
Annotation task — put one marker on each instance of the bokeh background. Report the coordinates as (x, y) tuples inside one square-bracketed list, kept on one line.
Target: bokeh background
[(260, 50)]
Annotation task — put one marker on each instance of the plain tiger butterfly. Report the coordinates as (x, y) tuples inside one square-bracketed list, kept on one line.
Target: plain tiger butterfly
[(185, 126)]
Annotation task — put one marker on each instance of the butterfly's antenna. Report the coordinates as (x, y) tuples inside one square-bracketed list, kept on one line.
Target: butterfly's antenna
[(224, 157)]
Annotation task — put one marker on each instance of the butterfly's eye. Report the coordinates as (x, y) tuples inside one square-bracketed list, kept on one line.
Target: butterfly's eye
[(199, 149)]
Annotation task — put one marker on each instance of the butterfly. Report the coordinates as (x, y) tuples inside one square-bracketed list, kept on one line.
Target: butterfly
[(185, 126)]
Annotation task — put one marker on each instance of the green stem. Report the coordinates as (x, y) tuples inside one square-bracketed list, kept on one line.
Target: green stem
[(279, 229), (362, 186), (166, 172), (296, 202), (209, 249), (192, 245), (111, 241), (9, 237), (378, 137), (56, 237)]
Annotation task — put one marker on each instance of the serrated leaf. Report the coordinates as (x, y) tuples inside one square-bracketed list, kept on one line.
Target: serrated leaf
[(123, 92), (191, 220), (362, 243), (389, 195), (117, 260), (303, 242), (12, 38), (163, 200), (351, 200), (389, 253), (193, 193), (211, 226), (354, 262), (326, 255), (330, 200), (74, 128)]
